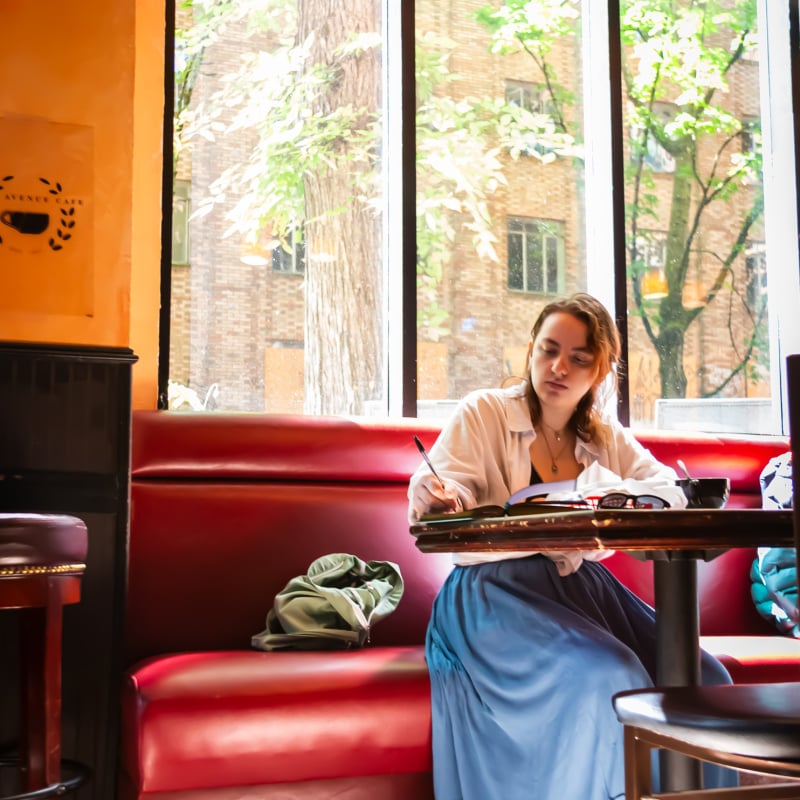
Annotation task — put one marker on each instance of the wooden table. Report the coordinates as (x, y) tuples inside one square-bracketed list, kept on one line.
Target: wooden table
[(675, 539)]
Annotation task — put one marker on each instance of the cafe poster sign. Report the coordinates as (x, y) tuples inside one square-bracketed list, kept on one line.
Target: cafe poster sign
[(46, 217)]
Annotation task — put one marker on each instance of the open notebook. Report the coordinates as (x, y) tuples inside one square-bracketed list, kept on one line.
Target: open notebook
[(528, 500)]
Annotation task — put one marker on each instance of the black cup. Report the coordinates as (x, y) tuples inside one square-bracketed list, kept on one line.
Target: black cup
[(25, 221), (705, 492)]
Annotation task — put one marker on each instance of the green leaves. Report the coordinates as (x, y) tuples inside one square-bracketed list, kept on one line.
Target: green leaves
[(276, 100)]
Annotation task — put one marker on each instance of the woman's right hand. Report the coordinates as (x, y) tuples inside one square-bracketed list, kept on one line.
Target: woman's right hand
[(432, 496)]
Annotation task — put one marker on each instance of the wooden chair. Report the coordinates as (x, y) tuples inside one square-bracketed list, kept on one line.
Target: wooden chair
[(751, 727), (42, 560)]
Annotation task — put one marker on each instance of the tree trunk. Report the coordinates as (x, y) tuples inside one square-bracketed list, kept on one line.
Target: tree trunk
[(670, 360), (669, 343), (344, 286)]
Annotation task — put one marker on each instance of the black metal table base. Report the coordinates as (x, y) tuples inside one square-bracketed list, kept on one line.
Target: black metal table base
[(678, 664)]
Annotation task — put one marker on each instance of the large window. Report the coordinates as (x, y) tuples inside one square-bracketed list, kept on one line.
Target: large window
[(288, 119), (280, 127)]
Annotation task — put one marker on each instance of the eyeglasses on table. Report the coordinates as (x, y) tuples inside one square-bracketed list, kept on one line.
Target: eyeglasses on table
[(613, 500)]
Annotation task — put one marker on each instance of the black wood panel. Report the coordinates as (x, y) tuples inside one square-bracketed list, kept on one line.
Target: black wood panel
[(65, 416)]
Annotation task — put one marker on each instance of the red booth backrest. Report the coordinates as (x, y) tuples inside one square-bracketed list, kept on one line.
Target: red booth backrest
[(225, 508)]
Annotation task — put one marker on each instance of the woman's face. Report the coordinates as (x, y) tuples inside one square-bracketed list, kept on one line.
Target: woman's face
[(563, 368)]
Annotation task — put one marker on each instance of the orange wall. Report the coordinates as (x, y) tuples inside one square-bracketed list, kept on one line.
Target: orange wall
[(148, 103), (98, 65)]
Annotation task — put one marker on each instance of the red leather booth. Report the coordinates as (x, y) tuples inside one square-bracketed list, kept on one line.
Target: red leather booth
[(226, 508)]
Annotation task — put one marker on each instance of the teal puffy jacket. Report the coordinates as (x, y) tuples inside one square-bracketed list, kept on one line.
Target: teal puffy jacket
[(774, 588), (773, 574)]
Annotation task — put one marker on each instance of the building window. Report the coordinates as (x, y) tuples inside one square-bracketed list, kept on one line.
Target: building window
[(650, 256), (644, 141), (528, 96), (535, 100), (651, 249), (535, 255), (756, 273), (752, 148), (289, 256), (751, 135), (181, 194)]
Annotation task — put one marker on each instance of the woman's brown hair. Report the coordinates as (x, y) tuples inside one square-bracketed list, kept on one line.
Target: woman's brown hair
[(602, 339)]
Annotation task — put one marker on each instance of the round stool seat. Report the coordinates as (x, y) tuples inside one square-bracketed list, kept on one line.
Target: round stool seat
[(42, 560), (31, 543), (753, 720)]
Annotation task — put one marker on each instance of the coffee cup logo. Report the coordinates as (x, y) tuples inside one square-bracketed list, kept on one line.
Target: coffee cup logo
[(29, 222)]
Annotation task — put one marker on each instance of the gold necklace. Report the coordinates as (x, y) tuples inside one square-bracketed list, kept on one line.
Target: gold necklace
[(553, 458)]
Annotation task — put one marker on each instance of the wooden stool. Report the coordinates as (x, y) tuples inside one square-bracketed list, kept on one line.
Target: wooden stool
[(752, 727), (42, 560)]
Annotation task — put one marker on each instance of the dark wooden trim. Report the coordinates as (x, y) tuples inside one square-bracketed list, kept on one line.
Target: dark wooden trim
[(618, 204), (73, 353), (409, 212), (165, 311)]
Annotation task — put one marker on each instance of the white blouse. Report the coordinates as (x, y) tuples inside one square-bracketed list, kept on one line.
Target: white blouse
[(484, 450)]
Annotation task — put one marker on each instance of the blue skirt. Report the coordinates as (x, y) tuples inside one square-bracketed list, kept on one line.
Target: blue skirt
[(523, 665)]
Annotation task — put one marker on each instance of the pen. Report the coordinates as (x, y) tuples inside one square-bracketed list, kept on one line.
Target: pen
[(425, 455)]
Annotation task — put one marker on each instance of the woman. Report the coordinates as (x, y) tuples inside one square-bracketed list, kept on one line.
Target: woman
[(526, 650)]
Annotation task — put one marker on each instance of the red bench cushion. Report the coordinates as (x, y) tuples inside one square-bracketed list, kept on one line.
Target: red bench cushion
[(238, 718)]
